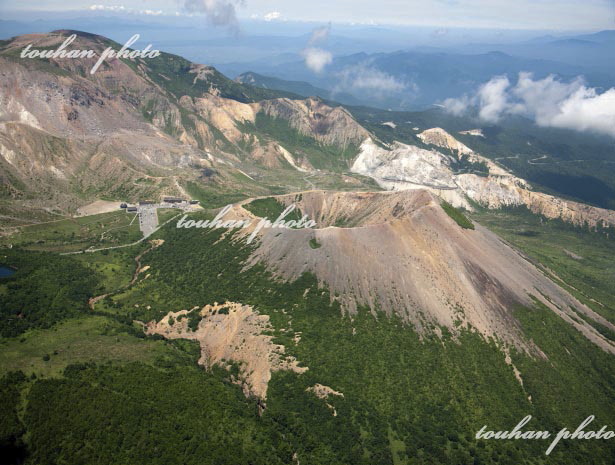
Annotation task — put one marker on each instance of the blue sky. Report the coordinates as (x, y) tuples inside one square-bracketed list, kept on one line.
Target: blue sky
[(508, 14)]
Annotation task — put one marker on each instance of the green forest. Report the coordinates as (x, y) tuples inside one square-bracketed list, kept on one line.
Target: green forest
[(407, 398)]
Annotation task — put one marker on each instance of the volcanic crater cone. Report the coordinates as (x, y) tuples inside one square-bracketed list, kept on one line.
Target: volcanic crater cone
[(401, 253)]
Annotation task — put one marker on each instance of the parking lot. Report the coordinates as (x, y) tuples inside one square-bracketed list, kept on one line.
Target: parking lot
[(148, 217)]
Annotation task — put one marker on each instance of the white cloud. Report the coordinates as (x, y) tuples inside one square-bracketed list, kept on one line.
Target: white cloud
[(107, 8), (363, 77), (316, 58), (457, 106), (272, 16), (543, 15), (492, 98), (548, 101), (586, 110), (151, 12), (217, 12), (122, 8), (320, 34)]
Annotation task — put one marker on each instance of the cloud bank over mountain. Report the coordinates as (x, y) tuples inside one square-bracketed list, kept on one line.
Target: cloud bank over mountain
[(549, 102), (217, 12), (317, 58), (364, 78)]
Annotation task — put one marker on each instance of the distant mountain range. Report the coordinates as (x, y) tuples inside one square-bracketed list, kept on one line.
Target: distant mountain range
[(590, 51), (417, 78), (381, 67), (409, 80), (302, 88)]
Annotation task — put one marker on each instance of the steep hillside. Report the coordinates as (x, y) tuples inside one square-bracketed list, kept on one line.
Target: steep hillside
[(406, 394), (140, 128), (455, 178), (401, 253)]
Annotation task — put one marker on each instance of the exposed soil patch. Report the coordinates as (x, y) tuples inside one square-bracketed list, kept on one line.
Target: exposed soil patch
[(323, 392), (97, 207), (231, 333)]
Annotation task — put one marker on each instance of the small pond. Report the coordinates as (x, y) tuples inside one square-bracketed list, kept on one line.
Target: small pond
[(5, 271)]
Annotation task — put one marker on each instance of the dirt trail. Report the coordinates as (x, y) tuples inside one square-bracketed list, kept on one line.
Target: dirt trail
[(138, 270)]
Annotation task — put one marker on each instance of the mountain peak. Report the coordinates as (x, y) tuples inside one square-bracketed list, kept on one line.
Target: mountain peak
[(85, 35)]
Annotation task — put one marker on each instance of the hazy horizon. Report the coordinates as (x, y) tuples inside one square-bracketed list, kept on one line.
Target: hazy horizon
[(551, 15)]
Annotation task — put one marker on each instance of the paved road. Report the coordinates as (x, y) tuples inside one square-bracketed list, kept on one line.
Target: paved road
[(91, 249)]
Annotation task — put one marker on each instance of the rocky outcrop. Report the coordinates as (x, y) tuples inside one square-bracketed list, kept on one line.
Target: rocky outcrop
[(498, 192), (440, 138), (222, 113), (312, 117), (473, 132), (401, 166), (323, 392), (404, 164), (68, 137)]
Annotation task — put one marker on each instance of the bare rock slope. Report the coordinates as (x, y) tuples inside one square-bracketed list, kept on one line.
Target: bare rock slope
[(231, 332), (401, 166), (399, 252), (136, 126)]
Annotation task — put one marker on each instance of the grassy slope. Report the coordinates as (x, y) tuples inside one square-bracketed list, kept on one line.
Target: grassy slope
[(90, 338), (71, 234), (321, 156), (271, 209), (583, 260), (457, 215), (115, 268)]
